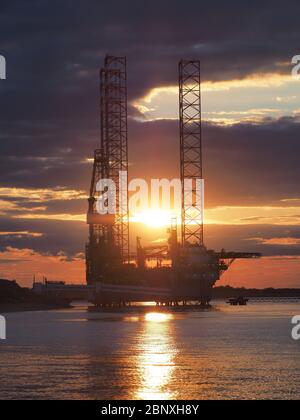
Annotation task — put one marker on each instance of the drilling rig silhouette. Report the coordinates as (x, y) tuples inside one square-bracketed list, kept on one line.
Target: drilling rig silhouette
[(119, 277)]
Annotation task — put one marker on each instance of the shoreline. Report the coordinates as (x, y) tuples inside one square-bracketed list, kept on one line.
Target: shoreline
[(29, 307), (7, 308)]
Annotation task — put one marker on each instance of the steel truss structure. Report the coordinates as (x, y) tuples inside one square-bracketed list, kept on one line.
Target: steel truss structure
[(191, 152), (115, 142), (109, 236)]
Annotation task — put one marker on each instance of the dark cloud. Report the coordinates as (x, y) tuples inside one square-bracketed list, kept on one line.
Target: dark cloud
[(57, 236), (54, 49), (245, 164), (50, 101), (248, 164), (251, 238)]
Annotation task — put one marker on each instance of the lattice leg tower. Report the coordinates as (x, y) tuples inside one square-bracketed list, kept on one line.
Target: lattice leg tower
[(116, 144), (191, 152)]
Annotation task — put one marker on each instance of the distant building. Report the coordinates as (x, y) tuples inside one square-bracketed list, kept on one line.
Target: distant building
[(61, 290)]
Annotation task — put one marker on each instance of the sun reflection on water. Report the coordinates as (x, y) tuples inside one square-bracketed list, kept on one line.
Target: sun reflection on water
[(156, 361), (157, 317)]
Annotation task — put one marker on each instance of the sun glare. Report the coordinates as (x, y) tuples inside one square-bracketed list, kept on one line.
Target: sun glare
[(155, 218)]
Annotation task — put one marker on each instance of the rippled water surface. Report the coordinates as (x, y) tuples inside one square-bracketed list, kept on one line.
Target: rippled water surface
[(231, 353)]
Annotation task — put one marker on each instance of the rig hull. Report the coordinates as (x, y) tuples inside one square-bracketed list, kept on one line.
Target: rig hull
[(162, 285)]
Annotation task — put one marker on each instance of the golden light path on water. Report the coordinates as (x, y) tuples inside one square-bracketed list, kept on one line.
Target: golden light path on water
[(225, 353), (156, 360)]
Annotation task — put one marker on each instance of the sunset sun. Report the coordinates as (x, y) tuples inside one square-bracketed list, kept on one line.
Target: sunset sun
[(155, 218)]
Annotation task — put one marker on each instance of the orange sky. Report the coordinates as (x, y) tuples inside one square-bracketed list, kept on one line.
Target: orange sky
[(22, 264), (276, 272), (266, 272)]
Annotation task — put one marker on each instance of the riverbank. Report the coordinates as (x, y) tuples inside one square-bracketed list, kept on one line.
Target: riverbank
[(227, 292), (30, 307), (14, 298)]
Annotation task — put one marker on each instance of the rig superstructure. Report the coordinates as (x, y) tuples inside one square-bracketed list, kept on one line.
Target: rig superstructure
[(118, 277)]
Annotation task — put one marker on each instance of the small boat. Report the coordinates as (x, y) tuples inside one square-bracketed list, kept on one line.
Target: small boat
[(240, 301)]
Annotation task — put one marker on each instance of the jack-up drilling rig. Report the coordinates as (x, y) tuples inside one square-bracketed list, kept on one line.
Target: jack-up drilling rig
[(193, 270)]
